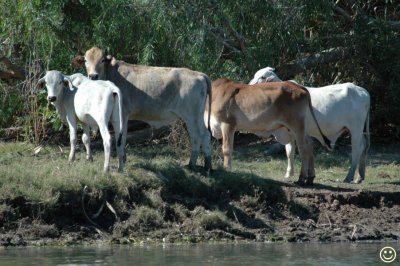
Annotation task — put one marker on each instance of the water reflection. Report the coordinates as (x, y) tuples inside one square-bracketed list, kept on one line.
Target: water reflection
[(200, 254)]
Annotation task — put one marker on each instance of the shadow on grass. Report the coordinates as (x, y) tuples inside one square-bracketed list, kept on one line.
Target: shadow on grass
[(245, 198)]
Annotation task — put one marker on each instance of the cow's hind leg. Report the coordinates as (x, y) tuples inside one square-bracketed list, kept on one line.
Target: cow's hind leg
[(124, 135), (105, 135), (304, 156), (206, 147), (363, 160), (357, 147), (205, 137), (119, 136), (311, 168), (86, 142), (290, 150), (195, 143)]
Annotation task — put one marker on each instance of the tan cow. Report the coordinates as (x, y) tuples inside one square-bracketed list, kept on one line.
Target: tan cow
[(261, 108), (156, 95)]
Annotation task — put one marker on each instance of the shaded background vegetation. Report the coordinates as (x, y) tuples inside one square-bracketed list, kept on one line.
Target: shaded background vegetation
[(317, 42)]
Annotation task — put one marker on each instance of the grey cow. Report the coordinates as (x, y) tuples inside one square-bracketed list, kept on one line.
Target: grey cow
[(157, 95)]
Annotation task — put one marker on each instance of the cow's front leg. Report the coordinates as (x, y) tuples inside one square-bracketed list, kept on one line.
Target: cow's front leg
[(72, 134), (228, 131), (86, 142)]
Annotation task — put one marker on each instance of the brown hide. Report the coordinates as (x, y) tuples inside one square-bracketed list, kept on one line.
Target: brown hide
[(261, 108)]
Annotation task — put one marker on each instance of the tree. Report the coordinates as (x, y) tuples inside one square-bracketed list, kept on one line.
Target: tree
[(317, 42)]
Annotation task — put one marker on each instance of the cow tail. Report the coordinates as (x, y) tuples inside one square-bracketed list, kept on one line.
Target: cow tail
[(121, 124), (209, 94), (366, 132), (326, 140)]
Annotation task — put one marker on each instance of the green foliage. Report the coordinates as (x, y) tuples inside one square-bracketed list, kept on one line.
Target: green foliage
[(219, 38)]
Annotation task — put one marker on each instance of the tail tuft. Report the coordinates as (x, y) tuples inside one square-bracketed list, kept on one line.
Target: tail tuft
[(327, 142)]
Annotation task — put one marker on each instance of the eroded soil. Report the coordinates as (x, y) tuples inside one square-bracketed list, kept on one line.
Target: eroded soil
[(222, 207), (320, 213)]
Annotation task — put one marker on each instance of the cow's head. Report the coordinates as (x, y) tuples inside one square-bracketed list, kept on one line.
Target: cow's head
[(96, 63), (264, 75), (55, 83)]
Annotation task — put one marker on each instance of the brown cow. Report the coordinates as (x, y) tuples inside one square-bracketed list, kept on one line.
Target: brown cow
[(261, 108)]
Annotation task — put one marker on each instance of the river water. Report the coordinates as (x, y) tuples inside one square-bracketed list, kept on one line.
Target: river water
[(201, 254)]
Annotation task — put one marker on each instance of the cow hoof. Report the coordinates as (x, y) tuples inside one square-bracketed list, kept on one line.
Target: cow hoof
[(300, 183), (191, 167), (358, 180), (347, 180), (310, 181), (301, 180)]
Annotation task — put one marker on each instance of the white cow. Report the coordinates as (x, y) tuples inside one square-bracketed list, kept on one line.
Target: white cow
[(338, 108), (94, 103)]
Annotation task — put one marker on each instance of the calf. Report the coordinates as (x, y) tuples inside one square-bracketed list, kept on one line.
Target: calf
[(262, 108), (338, 108), (94, 103)]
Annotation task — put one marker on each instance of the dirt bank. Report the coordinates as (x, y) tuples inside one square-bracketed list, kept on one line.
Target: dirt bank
[(158, 199), (290, 213)]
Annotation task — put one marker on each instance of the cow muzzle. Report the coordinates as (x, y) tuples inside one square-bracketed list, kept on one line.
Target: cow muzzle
[(94, 76), (52, 99)]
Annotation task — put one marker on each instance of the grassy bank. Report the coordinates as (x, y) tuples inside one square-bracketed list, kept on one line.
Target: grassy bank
[(45, 198)]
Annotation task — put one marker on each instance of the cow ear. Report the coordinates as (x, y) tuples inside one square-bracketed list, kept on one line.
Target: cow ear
[(78, 61), (110, 60), (113, 61), (68, 83), (269, 79), (41, 83)]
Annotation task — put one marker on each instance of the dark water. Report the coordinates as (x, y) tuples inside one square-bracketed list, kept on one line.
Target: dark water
[(201, 254)]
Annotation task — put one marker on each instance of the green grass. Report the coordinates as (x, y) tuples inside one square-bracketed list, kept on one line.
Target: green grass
[(42, 176), (383, 165), (158, 192)]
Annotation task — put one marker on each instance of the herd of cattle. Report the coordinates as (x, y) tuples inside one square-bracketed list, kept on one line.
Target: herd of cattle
[(116, 92)]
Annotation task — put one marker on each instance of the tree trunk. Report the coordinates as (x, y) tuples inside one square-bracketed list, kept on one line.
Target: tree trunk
[(290, 70)]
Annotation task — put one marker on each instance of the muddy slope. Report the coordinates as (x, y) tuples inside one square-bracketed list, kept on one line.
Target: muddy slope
[(252, 211)]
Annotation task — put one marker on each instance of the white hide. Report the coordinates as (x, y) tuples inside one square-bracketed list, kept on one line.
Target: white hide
[(93, 103), (337, 107)]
